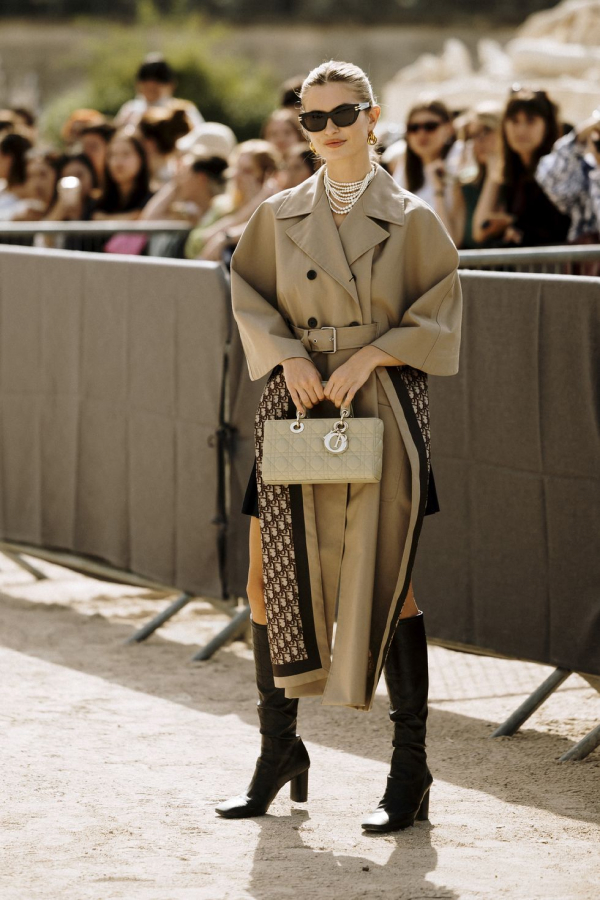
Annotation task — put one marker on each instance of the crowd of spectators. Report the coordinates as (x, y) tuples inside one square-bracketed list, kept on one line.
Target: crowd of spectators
[(497, 177)]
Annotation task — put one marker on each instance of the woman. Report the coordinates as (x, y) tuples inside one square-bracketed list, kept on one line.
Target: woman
[(282, 129), (513, 209), (570, 176), (126, 189), (348, 255), (482, 143), (13, 172), (94, 143), (42, 177), (252, 170), (74, 203), (160, 130), (189, 196), (424, 169)]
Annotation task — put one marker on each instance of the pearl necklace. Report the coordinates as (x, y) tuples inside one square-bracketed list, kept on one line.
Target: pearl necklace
[(342, 195)]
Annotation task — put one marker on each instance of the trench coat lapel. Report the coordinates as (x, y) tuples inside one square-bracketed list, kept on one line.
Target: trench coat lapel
[(317, 235), (336, 250), (381, 201)]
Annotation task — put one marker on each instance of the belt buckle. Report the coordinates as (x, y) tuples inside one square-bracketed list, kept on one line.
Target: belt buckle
[(334, 338)]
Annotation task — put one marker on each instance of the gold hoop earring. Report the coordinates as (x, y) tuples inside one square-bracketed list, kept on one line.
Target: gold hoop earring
[(313, 148), (372, 138)]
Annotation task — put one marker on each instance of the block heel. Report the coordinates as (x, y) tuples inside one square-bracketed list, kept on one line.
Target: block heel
[(299, 788), (406, 797), (283, 757), (423, 813)]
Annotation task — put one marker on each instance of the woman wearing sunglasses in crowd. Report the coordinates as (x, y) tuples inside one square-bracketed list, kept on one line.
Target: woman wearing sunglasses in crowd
[(513, 209), (349, 280), (426, 168)]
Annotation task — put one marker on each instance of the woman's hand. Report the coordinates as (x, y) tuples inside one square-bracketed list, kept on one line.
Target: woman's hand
[(437, 172), (214, 247), (351, 375), (496, 224), (303, 381)]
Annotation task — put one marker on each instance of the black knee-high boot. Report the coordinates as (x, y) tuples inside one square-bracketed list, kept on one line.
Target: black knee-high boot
[(283, 756), (406, 673)]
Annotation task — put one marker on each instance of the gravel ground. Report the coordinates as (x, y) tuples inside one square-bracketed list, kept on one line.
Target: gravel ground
[(114, 757)]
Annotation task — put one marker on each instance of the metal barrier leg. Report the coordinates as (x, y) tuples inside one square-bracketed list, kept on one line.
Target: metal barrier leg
[(234, 628), (526, 709), (142, 633), (583, 747), (25, 565)]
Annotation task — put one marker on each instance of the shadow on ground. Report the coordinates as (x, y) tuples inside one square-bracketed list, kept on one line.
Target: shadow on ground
[(225, 686)]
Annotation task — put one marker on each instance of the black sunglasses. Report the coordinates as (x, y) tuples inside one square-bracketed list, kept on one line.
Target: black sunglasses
[(426, 126), (342, 116)]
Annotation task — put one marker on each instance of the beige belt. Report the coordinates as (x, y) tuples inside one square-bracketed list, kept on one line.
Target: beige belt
[(328, 338)]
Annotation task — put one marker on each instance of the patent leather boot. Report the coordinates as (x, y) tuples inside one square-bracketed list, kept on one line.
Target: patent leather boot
[(406, 797), (283, 756)]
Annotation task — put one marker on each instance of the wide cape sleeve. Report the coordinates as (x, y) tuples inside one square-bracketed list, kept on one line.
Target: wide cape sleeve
[(266, 338), (428, 334)]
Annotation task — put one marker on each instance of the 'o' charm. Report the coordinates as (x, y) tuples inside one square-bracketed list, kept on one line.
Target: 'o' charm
[(335, 442)]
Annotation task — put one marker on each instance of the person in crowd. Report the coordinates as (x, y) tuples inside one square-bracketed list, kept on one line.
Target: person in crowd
[(299, 163), (127, 179), (94, 141), (570, 176), (15, 196), (345, 290), (191, 192), (161, 129), (75, 199), (512, 209), (424, 170), (42, 168), (25, 122), (212, 138), (155, 85), (252, 174), (391, 146), (187, 197), (282, 129), (77, 121), (482, 141), (289, 93)]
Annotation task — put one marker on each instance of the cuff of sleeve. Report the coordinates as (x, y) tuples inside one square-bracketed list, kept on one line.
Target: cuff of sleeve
[(401, 347), (262, 365)]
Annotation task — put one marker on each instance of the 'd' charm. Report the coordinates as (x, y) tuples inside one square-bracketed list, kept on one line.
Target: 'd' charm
[(335, 442)]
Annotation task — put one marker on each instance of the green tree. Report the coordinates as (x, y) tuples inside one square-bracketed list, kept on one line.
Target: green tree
[(233, 91)]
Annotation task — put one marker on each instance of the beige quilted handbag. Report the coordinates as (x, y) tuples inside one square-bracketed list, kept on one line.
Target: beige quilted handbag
[(322, 451)]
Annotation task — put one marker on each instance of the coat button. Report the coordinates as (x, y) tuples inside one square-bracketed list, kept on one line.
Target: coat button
[(353, 323), (312, 322), (311, 274)]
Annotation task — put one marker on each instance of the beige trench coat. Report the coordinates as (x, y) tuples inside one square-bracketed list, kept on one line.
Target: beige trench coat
[(344, 553)]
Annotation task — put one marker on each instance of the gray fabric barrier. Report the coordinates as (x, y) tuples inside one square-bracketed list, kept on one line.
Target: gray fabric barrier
[(110, 387), (112, 442), (512, 562)]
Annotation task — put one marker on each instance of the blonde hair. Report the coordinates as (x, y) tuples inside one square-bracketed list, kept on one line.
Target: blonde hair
[(344, 73)]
